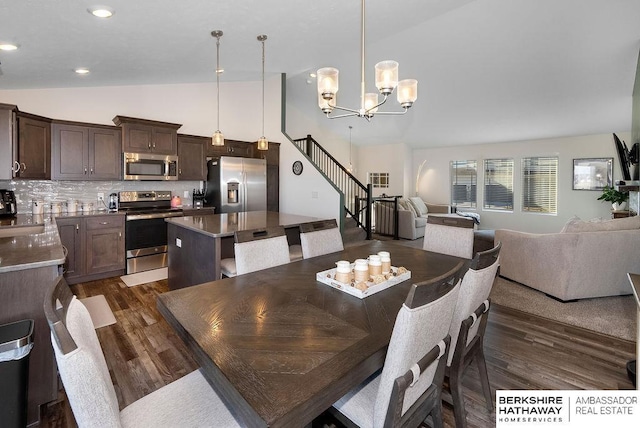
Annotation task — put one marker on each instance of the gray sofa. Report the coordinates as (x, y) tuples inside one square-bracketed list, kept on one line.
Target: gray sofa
[(411, 222), (586, 259)]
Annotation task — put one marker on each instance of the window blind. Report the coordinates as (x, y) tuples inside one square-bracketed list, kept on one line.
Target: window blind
[(540, 185), (464, 177), (498, 184)]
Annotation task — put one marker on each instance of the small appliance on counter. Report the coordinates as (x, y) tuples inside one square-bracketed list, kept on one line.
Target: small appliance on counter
[(8, 207), (198, 198), (37, 207), (113, 203)]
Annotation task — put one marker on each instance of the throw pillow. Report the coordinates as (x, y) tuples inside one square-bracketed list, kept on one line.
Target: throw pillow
[(419, 205)]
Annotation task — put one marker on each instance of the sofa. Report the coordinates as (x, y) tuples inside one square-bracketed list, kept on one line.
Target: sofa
[(585, 259), (412, 216)]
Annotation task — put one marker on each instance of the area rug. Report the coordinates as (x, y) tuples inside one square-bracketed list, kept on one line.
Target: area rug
[(613, 316), (144, 277), (99, 309)]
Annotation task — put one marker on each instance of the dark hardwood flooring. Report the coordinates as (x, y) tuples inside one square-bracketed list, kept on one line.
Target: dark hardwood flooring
[(523, 351)]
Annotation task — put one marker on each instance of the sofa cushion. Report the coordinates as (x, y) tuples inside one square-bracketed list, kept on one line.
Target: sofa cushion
[(409, 206), (420, 222), (575, 225), (419, 205)]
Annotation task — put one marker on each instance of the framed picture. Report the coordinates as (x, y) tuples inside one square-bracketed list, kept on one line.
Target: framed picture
[(592, 174)]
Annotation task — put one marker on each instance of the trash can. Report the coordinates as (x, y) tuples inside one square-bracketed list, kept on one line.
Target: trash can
[(16, 341)]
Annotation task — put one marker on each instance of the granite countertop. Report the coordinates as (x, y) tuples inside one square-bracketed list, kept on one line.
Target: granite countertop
[(219, 225), (29, 248)]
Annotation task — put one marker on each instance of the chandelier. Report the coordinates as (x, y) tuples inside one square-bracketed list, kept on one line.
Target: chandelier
[(218, 137), (386, 73)]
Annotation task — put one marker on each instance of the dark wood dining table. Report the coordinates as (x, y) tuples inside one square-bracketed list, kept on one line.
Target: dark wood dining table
[(279, 346)]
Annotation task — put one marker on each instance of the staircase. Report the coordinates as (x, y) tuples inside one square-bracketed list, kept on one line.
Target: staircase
[(356, 197)]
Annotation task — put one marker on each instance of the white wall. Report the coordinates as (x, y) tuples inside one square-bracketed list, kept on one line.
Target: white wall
[(434, 185), (392, 158), (193, 106)]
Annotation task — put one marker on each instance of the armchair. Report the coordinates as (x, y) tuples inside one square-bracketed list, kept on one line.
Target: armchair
[(411, 220)]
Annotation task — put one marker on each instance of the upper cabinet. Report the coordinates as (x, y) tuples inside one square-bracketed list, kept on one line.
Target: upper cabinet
[(239, 149), (148, 136), (191, 157), (34, 147), (272, 155), (86, 152)]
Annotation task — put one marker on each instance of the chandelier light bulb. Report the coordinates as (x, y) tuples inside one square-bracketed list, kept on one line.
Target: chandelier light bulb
[(386, 76), (407, 92), (370, 103), (328, 82)]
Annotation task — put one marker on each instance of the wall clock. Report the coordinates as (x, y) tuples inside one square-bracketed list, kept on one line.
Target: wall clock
[(297, 167)]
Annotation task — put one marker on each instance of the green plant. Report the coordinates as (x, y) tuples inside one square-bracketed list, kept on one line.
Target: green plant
[(612, 195)]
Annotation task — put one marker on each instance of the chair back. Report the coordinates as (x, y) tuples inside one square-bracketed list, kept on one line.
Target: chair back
[(260, 249), (320, 237), (81, 363), (417, 330), (450, 240), (474, 290)]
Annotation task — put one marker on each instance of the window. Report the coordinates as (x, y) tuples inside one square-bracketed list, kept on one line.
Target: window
[(540, 185), (498, 184), (464, 179), (379, 179)]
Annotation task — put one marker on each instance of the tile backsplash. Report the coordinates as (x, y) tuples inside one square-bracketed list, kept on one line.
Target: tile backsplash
[(87, 191)]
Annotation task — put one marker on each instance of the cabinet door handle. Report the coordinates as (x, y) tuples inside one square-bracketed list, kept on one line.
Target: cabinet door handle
[(85, 170), (119, 235), (104, 223), (17, 166), (77, 228), (91, 170), (24, 167), (149, 145)]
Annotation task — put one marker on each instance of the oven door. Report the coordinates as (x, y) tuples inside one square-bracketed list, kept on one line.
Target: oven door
[(146, 243)]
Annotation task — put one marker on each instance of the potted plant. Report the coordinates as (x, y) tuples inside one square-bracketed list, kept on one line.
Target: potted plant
[(617, 198)]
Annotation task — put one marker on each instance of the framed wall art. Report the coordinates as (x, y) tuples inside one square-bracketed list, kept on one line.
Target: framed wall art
[(592, 173)]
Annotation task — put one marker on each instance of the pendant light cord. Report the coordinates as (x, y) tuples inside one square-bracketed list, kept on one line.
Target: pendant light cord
[(218, 80), (265, 37)]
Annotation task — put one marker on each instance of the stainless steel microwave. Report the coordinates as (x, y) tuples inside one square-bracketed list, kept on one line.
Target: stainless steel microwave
[(144, 166)]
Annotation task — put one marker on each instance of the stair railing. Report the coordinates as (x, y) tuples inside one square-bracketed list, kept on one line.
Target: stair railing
[(357, 196)]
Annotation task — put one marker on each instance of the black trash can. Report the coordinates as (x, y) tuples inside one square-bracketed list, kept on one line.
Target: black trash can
[(16, 341)]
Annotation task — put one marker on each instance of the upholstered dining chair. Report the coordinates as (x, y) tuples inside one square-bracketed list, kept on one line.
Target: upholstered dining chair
[(320, 237), (188, 401), (256, 249), (450, 240), (408, 388), (467, 330)]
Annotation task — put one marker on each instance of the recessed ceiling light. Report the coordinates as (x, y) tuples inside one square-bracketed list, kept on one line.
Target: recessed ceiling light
[(101, 11), (82, 70), (7, 47)]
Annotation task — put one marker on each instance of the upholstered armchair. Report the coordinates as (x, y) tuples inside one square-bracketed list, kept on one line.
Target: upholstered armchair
[(412, 217)]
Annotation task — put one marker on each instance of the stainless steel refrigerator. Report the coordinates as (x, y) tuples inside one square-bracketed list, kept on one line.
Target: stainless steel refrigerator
[(236, 184)]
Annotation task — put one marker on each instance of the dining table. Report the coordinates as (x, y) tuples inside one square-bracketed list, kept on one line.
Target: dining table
[(279, 346)]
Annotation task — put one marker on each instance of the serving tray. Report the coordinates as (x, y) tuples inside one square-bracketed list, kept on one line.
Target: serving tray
[(327, 277)]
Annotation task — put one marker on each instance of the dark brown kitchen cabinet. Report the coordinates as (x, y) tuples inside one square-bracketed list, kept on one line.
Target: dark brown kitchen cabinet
[(272, 155), (95, 246), (86, 152), (148, 136), (34, 146), (191, 157), (71, 231), (273, 188), (240, 149)]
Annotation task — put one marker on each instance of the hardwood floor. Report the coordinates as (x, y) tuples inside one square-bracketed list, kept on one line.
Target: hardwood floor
[(523, 351)]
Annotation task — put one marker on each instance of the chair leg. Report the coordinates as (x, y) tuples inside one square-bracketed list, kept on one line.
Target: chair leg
[(455, 385), (436, 414), (484, 378)]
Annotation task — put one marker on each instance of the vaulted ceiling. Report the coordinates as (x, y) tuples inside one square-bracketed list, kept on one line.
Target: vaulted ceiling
[(488, 70)]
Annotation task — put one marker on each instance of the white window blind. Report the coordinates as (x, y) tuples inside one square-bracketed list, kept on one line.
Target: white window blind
[(498, 184), (540, 185), (464, 179)]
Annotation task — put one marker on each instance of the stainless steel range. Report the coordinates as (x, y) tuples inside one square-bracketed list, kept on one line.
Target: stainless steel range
[(145, 228)]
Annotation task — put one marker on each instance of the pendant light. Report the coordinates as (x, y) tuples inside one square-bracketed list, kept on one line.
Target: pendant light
[(263, 143), (218, 137)]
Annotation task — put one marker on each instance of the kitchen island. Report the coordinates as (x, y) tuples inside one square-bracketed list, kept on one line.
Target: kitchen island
[(30, 254), (196, 244)]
